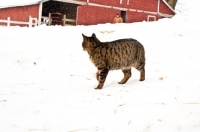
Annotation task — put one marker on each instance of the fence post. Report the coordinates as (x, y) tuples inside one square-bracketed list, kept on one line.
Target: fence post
[(8, 22), (49, 24), (64, 18), (35, 21), (30, 21)]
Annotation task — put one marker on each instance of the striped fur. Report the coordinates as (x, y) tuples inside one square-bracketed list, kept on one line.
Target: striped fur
[(119, 54)]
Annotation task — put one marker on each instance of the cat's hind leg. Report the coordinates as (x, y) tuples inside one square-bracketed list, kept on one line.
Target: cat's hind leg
[(127, 75)]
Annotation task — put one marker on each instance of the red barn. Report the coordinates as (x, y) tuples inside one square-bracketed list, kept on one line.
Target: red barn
[(89, 12)]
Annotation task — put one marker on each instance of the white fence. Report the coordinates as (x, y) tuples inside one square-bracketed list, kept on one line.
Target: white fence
[(47, 20), (32, 22)]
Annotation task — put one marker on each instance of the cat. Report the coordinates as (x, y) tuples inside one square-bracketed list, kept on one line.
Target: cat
[(119, 54)]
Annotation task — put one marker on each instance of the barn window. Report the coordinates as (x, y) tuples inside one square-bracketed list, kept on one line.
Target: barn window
[(151, 18), (122, 1)]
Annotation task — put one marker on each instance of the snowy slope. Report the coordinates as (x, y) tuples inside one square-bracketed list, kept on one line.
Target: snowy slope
[(47, 81)]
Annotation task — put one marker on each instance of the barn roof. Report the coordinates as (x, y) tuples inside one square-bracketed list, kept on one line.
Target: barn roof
[(13, 3)]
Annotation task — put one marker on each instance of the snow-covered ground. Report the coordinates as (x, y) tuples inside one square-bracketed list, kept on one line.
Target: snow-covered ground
[(47, 81)]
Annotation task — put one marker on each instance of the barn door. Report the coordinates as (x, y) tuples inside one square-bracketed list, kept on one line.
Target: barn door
[(123, 15)]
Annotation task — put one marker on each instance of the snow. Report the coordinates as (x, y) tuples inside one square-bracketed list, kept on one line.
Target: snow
[(47, 81)]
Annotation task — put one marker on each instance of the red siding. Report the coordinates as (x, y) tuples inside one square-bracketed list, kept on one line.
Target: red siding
[(20, 13), (89, 15), (135, 16), (138, 16), (148, 5), (106, 2)]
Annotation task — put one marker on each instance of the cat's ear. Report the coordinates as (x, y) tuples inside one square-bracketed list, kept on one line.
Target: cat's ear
[(83, 35), (94, 35)]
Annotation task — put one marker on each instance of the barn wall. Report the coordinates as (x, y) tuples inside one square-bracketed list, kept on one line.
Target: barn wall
[(89, 15), (106, 2), (135, 16), (148, 5), (20, 13), (138, 16)]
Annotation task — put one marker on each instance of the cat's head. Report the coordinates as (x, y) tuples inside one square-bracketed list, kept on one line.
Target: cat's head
[(90, 42)]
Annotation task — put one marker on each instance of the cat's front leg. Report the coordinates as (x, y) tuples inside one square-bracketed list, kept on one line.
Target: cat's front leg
[(101, 77)]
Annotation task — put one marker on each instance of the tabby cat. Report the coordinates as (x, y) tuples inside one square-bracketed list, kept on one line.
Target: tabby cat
[(119, 54)]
